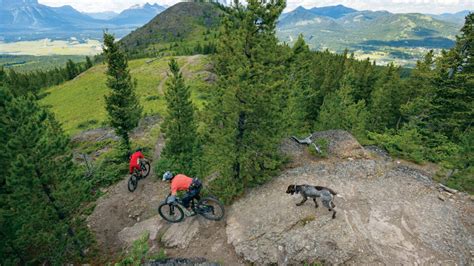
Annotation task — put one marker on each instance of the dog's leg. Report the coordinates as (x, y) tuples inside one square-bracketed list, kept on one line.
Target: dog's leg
[(315, 203), (333, 214), (303, 201)]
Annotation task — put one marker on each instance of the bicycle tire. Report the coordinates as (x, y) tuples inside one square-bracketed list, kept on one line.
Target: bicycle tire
[(205, 203), (146, 169), (165, 207), (132, 183)]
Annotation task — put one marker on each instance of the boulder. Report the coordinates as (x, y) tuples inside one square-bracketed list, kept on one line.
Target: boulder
[(387, 215), (180, 234), (151, 226)]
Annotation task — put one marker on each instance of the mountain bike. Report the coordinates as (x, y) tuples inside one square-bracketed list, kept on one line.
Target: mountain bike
[(208, 207), (138, 174)]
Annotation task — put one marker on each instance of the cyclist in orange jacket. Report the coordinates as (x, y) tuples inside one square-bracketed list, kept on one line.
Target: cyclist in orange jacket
[(182, 182)]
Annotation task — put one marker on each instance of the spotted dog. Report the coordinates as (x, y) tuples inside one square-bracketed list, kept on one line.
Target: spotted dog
[(307, 191)]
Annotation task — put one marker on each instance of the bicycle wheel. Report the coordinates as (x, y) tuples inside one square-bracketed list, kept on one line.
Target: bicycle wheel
[(210, 208), (171, 212), (146, 169), (132, 183)]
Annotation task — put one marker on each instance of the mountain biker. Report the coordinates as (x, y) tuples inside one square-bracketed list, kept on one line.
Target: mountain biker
[(181, 182), (135, 160)]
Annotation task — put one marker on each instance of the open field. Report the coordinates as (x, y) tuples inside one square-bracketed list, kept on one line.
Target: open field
[(26, 63), (79, 104), (51, 47)]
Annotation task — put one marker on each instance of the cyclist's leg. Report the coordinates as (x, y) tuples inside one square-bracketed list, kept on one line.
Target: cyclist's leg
[(189, 196)]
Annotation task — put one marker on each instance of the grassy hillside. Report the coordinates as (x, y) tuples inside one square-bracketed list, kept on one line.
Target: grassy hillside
[(184, 24), (79, 104)]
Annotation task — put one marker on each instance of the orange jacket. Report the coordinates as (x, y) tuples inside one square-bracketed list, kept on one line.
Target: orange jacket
[(180, 182)]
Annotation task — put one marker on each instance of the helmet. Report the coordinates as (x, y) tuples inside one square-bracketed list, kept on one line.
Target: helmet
[(139, 149), (167, 176)]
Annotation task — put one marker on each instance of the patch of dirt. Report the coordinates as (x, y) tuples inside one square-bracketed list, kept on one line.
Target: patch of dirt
[(120, 208), (187, 74)]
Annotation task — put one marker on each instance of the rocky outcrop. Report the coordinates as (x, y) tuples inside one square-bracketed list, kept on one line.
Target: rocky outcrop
[(180, 234), (152, 226), (390, 213)]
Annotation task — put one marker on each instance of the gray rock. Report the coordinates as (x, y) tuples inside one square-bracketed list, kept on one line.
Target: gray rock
[(180, 234), (389, 214), (151, 226)]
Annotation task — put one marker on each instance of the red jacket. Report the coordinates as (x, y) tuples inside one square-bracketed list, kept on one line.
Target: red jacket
[(135, 161), (180, 182)]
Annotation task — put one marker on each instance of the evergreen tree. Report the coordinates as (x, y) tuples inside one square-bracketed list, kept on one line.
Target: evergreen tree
[(71, 69), (304, 98), (89, 63), (454, 94), (122, 104), (339, 111), (245, 111), (179, 126), (386, 99), (40, 189)]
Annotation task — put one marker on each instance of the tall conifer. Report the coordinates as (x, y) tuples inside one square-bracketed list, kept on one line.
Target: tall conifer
[(122, 103), (246, 115), (179, 125)]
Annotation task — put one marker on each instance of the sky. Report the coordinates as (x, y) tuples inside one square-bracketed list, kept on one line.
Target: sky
[(395, 6)]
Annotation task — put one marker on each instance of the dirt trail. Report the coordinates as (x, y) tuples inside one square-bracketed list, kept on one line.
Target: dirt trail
[(184, 69), (121, 217)]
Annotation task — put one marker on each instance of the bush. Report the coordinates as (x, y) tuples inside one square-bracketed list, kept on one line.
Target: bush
[(140, 253), (152, 98), (87, 124), (406, 143)]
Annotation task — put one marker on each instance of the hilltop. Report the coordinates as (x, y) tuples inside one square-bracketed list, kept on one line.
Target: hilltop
[(185, 24)]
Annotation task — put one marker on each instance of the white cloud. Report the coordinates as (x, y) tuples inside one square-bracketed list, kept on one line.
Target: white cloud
[(400, 6)]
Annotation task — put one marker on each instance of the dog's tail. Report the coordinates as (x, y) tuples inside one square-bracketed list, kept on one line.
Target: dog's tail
[(326, 188)]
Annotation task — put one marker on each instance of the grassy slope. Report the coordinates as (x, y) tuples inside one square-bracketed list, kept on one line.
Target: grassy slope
[(81, 100)]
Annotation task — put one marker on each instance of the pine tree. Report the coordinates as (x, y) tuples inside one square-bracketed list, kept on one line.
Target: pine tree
[(304, 98), (179, 126), (40, 186), (245, 112), (454, 94), (339, 111), (122, 104), (386, 99), (71, 69), (89, 63)]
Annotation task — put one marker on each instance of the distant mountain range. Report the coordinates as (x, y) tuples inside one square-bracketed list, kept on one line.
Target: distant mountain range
[(29, 20), (336, 28), (453, 17), (339, 27)]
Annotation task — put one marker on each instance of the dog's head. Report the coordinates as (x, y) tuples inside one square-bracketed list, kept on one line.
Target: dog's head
[(292, 189)]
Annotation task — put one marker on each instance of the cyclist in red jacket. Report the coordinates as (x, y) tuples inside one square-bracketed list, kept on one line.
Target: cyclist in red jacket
[(135, 160)]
